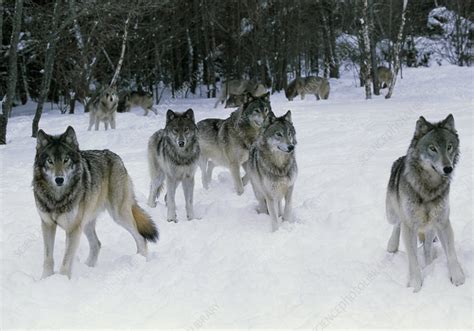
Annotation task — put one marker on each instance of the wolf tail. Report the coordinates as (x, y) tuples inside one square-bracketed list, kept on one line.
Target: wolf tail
[(145, 224)]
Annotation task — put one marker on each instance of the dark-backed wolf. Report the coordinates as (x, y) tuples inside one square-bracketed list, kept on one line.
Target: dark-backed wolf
[(138, 99), (318, 86), (71, 187), (103, 109), (227, 142), (272, 168), (173, 155), (417, 200)]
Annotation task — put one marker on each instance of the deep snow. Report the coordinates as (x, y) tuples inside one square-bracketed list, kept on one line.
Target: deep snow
[(227, 270)]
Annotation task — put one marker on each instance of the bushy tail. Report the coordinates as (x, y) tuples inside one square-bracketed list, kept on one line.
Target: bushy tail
[(145, 224)]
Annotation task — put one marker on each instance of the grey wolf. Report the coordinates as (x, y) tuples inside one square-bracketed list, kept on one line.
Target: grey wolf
[(103, 109), (234, 101), (227, 142), (240, 87), (385, 76), (318, 86), (272, 167), (173, 155), (417, 201), (71, 187), (138, 99)]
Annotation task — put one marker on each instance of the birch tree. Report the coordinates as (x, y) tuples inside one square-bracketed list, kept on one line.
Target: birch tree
[(122, 54), (396, 52), (366, 65), (12, 71)]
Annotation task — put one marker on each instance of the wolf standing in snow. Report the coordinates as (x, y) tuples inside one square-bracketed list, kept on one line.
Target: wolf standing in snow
[(103, 109), (385, 76), (318, 86), (417, 200), (173, 155), (272, 167), (227, 142), (71, 187), (137, 99)]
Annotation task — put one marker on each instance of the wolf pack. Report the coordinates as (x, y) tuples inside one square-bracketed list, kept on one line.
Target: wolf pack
[(73, 186)]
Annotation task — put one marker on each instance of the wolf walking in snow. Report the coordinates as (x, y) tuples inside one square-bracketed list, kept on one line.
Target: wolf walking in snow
[(173, 155), (239, 87), (71, 187), (227, 142), (417, 201), (103, 109), (318, 86), (272, 167), (137, 99), (385, 76)]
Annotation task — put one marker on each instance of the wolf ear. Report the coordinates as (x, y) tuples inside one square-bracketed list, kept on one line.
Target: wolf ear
[(42, 139), (189, 114), (170, 115), (422, 127), (287, 116), (269, 120), (448, 123), (70, 137)]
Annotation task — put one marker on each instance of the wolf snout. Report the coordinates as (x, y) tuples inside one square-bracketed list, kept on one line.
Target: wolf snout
[(59, 181), (291, 148), (448, 170), (181, 143)]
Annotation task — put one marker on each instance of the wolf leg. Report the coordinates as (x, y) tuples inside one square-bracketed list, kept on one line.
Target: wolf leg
[(272, 206), (106, 124), (49, 232), (317, 97), (246, 178), (112, 122), (394, 240), (72, 242), (91, 120), (414, 272), (203, 162), (171, 185), (235, 171), (427, 246), (288, 205), (146, 111), (94, 243), (188, 188), (97, 122), (124, 217), (155, 186), (446, 236), (210, 168)]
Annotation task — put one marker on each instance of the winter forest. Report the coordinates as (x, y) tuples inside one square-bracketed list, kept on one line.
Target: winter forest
[(270, 164)]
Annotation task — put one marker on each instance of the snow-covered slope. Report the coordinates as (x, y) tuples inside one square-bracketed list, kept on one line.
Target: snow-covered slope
[(329, 269)]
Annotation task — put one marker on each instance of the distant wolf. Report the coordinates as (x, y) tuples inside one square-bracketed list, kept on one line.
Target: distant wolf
[(173, 155), (234, 101), (384, 76), (319, 86), (417, 200), (103, 109), (272, 167), (138, 99), (240, 87), (71, 187), (227, 142)]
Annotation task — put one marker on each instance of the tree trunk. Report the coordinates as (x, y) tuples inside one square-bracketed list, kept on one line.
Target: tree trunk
[(48, 69), (12, 70), (366, 53), (396, 55), (373, 43), (122, 54)]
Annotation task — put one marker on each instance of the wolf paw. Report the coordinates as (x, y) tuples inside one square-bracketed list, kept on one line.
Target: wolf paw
[(457, 275), (47, 272), (239, 190), (172, 220), (416, 282), (66, 272)]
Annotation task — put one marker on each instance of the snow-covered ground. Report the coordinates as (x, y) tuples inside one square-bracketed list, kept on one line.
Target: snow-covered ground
[(330, 269)]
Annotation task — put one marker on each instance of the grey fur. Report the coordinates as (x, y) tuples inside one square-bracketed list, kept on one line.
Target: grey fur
[(238, 87), (385, 76), (318, 86), (227, 142), (417, 201), (71, 187), (272, 168), (174, 163), (103, 109), (138, 99)]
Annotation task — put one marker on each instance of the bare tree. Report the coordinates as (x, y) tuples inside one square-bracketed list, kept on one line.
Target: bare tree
[(12, 71), (366, 66), (396, 51), (122, 54), (48, 68)]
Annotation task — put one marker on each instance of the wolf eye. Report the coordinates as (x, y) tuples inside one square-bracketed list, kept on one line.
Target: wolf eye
[(432, 148), (49, 161), (66, 159), (450, 147), (279, 134), (186, 129)]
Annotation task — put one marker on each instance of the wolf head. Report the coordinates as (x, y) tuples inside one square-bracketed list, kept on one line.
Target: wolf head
[(279, 133), (235, 101), (256, 109), (181, 128), (291, 91), (109, 97), (436, 145), (57, 157)]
